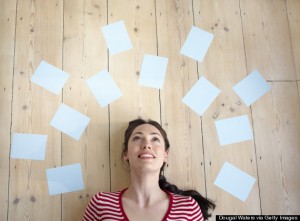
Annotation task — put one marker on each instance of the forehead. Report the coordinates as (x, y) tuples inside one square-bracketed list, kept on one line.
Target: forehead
[(146, 129)]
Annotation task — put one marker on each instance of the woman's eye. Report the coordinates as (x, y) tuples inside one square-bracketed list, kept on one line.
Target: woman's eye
[(156, 139), (136, 138)]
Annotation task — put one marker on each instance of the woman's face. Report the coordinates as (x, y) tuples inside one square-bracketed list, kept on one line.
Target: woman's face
[(146, 149)]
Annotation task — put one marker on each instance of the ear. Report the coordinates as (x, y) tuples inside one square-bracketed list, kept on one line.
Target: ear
[(166, 156), (125, 157)]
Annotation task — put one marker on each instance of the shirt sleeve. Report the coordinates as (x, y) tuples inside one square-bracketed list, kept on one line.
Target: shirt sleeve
[(91, 213), (196, 211)]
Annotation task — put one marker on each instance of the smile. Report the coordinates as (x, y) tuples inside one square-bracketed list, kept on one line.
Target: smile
[(146, 156)]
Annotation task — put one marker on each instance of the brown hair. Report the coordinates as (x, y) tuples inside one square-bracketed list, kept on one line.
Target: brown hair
[(204, 203)]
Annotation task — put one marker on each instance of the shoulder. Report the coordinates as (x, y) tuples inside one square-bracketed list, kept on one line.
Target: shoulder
[(104, 204), (185, 207), (185, 200), (106, 197)]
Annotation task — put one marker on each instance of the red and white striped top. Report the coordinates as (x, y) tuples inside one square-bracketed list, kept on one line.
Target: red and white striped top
[(108, 206)]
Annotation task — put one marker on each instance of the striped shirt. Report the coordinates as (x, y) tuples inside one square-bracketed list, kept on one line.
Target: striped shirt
[(108, 206)]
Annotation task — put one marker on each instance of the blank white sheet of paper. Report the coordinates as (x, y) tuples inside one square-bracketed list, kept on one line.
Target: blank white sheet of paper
[(50, 77), (251, 88), (65, 179), (153, 71), (104, 88), (28, 146), (201, 95), (116, 37), (234, 130), (197, 44), (70, 121), (235, 181)]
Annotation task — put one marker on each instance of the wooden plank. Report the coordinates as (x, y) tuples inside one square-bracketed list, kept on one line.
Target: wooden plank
[(137, 101), (84, 55), (7, 42), (267, 39), (276, 125), (293, 8), (38, 37), (183, 126), (224, 66)]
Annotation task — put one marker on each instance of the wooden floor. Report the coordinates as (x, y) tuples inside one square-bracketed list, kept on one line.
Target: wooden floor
[(248, 35)]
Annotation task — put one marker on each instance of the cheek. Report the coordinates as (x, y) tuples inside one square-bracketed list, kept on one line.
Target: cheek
[(132, 150)]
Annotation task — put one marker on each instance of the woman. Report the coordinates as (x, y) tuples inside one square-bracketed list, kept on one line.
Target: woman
[(149, 196)]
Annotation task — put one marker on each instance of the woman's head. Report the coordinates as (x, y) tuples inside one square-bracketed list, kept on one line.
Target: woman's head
[(133, 129)]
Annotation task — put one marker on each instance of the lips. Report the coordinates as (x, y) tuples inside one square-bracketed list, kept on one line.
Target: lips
[(146, 156)]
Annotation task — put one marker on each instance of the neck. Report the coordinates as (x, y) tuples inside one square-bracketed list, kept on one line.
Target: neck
[(144, 189)]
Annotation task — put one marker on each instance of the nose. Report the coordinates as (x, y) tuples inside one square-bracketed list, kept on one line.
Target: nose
[(146, 144), (146, 147)]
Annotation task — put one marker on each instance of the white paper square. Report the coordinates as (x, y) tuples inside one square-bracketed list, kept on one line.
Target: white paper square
[(50, 77), (252, 88), (197, 44), (70, 121), (65, 179), (201, 95), (104, 88), (235, 181), (153, 71), (234, 130), (116, 37), (28, 146)]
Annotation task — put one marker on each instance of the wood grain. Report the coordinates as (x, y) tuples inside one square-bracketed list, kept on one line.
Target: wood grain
[(137, 101), (267, 39), (293, 8), (37, 38), (7, 43), (276, 121), (224, 66), (185, 164), (83, 56)]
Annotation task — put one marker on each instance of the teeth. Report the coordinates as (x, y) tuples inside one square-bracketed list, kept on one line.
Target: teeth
[(146, 155)]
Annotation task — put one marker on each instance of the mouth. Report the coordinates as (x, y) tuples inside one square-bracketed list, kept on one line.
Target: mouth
[(146, 156)]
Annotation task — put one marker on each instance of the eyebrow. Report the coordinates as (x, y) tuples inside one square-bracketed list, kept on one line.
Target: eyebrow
[(153, 133)]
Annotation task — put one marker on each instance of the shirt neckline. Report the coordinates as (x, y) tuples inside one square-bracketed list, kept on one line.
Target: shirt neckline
[(165, 216)]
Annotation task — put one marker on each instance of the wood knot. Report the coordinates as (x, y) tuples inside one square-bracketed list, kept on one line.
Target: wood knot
[(215, 116), (16, 201), (32, 199)]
